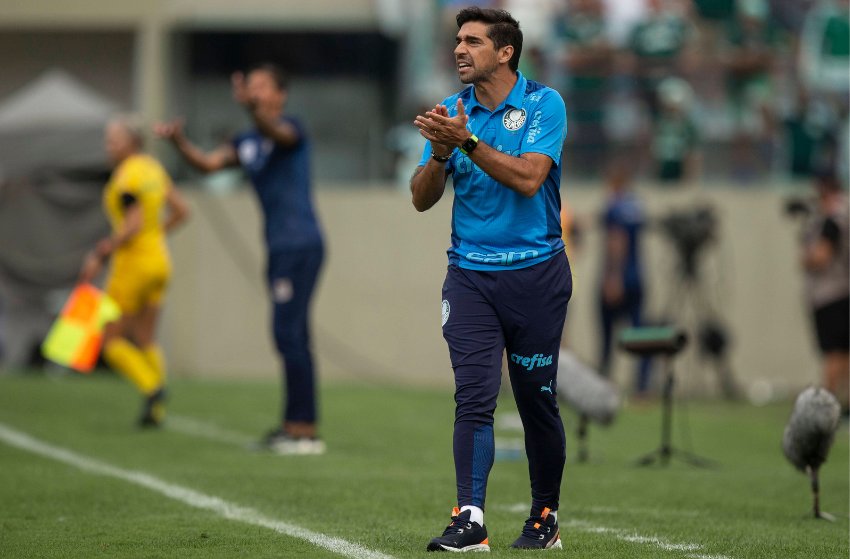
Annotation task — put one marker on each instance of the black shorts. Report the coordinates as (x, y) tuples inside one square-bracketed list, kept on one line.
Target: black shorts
[(832, 323)]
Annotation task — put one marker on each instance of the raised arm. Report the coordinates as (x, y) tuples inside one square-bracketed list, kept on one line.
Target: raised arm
[(268, 123), (524, 174), (282, 132), (206, 162), (429, 181)]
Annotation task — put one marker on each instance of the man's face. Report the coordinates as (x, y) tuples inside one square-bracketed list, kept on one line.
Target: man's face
[(476, 56), (263, 91), (118, 142)]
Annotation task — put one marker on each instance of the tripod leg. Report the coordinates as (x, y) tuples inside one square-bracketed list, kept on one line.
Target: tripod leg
[(663, 452), (815, 481), (813, 477), (693, 459), (667, 414), (727, 380), (581, 434), (649, 458)]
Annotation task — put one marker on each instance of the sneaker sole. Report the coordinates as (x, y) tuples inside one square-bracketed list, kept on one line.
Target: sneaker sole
[(555, 544), (301, 448), (479, 547)]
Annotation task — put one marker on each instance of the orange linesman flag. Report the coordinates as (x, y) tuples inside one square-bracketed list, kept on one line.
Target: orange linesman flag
[(75, 337)]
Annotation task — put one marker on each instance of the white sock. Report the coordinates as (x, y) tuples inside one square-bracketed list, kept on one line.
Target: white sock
[(554, 514), (475, 514)]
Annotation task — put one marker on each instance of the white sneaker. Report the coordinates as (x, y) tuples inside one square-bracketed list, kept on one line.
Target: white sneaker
[(281, 443)]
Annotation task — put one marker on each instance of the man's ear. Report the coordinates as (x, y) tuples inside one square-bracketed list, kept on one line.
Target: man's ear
[(505, 54)]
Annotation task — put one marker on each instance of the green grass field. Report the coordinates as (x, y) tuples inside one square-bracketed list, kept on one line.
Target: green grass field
[(387, 481)]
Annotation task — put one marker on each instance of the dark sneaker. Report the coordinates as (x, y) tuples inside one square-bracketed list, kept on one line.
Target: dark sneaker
[(280, 442), (539, 532), (461, 535), (153, 411)]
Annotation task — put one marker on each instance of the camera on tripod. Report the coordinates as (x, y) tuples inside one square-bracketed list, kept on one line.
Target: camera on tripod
[(797, 207), (690, 230)]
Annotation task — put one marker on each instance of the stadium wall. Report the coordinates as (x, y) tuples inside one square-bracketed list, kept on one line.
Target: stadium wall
[(378, 309)]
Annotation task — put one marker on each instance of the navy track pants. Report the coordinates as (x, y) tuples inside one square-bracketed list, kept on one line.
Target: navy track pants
[(521, 312)]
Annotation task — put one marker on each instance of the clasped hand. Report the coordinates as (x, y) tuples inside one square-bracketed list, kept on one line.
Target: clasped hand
[(444, 132)]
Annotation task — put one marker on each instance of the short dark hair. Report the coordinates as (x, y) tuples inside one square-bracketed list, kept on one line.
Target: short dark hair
[(278, 74), (502, 29)]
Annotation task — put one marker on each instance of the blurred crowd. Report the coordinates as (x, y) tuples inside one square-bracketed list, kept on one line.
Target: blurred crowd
[(752, 88)]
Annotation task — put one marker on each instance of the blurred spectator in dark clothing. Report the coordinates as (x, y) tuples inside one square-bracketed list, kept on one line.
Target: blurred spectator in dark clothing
[(621, 284), (586, 61), (825, 49), (748, 59), (675, 137), (826, 262), (789, 14), (807, 127), (824, 68), (715, 10), (657, 44)]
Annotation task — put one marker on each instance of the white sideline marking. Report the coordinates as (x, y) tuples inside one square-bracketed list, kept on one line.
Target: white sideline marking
[(626, 536), (650, 540), (642, 511), (187, 496), (523, 508), (206, 430)]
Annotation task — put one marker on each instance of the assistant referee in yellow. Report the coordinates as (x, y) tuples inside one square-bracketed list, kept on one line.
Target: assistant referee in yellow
[(134, 198)]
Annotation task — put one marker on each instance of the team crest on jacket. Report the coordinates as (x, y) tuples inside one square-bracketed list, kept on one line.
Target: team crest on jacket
[(514, 119), (247, 152)]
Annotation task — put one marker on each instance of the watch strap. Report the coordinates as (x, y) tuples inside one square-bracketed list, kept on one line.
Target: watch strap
[(469, 145)]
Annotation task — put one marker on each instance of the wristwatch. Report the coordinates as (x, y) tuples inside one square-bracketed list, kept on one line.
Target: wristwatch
[(440, 158), (469, 145)]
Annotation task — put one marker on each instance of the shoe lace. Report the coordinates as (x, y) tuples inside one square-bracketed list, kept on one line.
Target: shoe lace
[(536, 528), (458, 525)]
